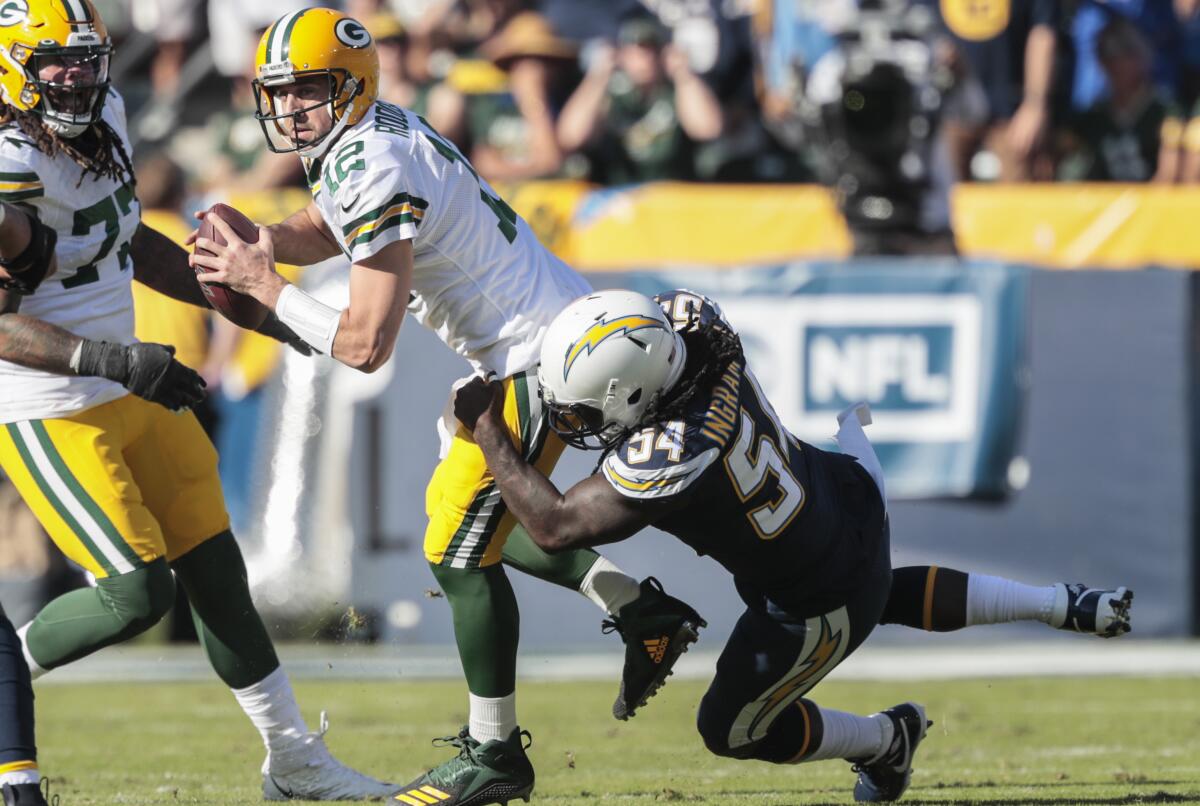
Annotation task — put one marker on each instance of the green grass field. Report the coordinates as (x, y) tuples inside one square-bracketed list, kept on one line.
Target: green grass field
[(1036, 741)]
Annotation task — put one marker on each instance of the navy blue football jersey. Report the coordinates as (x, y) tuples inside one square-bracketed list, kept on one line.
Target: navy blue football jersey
[(769, 508)]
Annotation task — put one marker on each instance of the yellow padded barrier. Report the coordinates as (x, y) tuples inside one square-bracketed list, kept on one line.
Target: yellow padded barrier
[(723, 226)]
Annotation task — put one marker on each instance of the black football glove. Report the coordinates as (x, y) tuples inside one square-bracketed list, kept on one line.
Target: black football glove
[(149, 371), (277, 330)]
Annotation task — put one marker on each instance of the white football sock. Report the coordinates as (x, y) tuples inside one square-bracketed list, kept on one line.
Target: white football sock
[(994, 600), (19, 777), (493, 717), (272, 708), (35, 671), (609, 587), (852, 737)]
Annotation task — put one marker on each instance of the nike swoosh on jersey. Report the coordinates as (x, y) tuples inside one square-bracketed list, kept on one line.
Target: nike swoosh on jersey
[(347, 207)]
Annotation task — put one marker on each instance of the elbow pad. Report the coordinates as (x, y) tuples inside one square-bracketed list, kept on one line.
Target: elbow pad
[(29, 268)]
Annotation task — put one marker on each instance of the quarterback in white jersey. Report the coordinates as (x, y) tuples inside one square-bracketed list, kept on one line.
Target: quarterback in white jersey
[(425, 234), (94, 428), (480, 278)]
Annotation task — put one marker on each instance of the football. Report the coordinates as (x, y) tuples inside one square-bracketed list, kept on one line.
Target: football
[(244, 311)]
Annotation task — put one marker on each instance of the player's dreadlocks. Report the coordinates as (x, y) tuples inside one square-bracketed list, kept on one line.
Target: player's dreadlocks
[(711, 348), (98, 150)]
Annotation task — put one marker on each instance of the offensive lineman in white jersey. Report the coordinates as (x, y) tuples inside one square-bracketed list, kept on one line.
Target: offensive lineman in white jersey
[(424, 233), (94, 430)]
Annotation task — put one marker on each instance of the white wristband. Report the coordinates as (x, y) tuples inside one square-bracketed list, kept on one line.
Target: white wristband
[(313, 320)]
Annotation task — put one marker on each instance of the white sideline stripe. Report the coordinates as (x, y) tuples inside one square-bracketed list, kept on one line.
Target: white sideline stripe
[(889, 664), (73, 505)]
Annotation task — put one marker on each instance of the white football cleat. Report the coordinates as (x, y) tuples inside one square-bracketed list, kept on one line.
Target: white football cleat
[(308, 771), (1091, 610)]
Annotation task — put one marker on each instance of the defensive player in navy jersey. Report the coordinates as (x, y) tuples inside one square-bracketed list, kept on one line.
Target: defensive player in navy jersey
[(692, 445)]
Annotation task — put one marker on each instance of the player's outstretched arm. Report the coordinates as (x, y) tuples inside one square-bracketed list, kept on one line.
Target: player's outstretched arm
[(591, 513), (162, 264), (32, 343), (148, 370)]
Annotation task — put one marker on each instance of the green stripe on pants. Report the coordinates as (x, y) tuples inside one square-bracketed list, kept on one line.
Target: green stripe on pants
[(50, 495), (93, 509)]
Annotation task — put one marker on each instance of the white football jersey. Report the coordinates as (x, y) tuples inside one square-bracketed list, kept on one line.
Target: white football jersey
[(481, 279), (90, 294)]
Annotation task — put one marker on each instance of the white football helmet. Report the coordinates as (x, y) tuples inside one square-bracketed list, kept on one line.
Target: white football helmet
[(605, 359)]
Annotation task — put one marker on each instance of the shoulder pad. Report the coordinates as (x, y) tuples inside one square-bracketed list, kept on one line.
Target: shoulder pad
[(19, 181), (660, 461)]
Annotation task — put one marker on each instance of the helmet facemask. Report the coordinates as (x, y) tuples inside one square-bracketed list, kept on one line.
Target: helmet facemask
[(68, 108), (343, 89), (582, 426)]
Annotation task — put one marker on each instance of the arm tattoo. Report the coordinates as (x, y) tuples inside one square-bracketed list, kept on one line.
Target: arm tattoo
[(32, 343), (161, 264)]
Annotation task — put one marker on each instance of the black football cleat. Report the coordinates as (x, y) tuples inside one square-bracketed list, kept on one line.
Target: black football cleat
[(1094, 611), (28, 794), (885, 777), (657, 629)]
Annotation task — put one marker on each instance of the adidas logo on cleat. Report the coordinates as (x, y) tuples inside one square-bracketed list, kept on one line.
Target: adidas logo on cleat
[(423, 796), (657, 629), (657, 648)]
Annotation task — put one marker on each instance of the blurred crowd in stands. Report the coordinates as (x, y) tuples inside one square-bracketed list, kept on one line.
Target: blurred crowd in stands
[(622, 91)]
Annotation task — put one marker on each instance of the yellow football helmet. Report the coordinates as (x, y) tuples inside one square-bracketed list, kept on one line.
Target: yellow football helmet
[(315, 42), (64, 40)]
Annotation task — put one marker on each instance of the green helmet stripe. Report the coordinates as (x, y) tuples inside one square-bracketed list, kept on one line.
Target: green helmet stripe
[(272, 36), (287, 34), (77, 11)]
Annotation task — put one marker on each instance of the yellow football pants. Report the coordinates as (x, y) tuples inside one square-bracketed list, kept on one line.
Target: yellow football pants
[(468, 522), (119, 485)]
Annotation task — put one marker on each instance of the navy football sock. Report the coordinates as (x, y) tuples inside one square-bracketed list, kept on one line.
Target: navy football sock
[(16, 700), (927, 597)]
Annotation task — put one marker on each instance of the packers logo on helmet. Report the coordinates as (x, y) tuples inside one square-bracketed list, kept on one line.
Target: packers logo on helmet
[(352, 34), (13, 12), (54, 61), (314, 45)]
